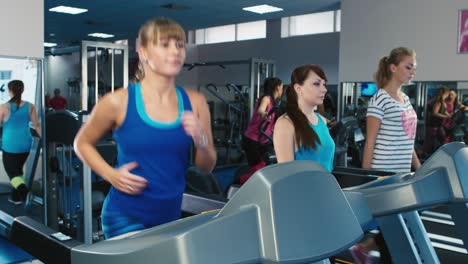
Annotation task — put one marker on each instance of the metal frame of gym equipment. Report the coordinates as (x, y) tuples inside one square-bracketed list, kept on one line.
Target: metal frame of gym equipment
[(52, 221), (87, 189), (236, 115), (259, 70), (84, 67)]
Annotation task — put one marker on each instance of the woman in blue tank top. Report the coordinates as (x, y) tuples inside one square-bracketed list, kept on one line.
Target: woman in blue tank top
[(154, 124), (15, 116), (302, 133)]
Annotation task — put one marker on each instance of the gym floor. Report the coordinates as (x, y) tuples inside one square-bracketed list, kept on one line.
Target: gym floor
[(13, 254), (9, 253)]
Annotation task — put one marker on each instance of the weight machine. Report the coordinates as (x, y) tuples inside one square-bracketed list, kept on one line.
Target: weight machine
[(238, 100), (259, 70)]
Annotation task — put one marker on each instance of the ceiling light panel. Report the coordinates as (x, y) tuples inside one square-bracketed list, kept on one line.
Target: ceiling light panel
[(68, 10), (262, 9), (49, 44), (100, 35)]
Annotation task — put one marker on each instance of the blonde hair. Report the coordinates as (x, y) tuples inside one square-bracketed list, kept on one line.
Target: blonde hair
[(152, 31), (383, 74)]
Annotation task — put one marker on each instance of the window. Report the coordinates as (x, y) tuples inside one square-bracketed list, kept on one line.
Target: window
[(5, 75), (316, 23), (251, 30), (200, 36), (220, 34), (233, 32), (338, 21)]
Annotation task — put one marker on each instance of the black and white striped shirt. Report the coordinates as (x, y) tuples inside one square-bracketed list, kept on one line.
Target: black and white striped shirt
[(394, 145)]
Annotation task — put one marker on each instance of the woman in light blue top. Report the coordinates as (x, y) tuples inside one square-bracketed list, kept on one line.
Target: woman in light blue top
[(15, 116), (302, 133)]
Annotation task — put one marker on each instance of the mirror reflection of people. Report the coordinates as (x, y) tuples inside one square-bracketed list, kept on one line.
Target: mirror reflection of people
[(58, 102), (453, 107), (441, 116), (302, 133), (15, 116), (457, 105), (154, 123)]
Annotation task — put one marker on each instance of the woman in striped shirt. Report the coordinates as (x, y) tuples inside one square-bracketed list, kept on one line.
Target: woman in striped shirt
[(391, 130), (391, 119)]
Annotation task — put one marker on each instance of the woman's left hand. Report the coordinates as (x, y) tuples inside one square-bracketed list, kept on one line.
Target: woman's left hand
[(192, 127)]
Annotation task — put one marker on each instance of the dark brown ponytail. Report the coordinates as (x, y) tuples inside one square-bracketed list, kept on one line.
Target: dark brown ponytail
[(16, 87), (305, 135)]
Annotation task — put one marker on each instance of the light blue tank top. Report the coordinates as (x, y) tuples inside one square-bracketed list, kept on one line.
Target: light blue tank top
[(16, 137), (325, 151)]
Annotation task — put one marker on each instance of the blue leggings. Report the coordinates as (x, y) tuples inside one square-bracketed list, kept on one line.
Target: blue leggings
[(115, 224)]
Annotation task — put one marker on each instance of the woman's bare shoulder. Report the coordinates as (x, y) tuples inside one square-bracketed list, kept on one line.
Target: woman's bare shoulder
[(284, 122), (196, 98), (116, 99)]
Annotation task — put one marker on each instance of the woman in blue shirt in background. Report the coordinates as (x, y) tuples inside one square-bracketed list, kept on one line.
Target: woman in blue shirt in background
[(15, 116)]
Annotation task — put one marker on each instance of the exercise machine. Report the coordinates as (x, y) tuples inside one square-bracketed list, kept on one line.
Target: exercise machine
[(395, 202), (272, 219)]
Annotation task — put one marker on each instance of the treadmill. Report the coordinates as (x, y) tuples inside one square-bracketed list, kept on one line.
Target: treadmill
[(395, 202), (283, 214)]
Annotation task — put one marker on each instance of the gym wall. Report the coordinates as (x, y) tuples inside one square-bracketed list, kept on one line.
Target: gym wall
[(60, 68), (189, 79), (371, 28), (23, 21), (23, 24), (287, 53)]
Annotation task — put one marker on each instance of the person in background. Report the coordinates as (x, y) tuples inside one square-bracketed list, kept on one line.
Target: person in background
[(58, 102), (391, 130), (453, 106), (433, 122), (15, 116), (441, 116), (47, 101), (254, 143), (155, 124), (453, 99), (302, 133)]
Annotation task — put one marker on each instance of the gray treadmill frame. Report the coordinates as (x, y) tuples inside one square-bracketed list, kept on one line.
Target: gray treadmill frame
[(395, 201), (265, 221)]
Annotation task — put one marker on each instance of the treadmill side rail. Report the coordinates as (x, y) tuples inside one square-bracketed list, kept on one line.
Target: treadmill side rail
[(35, 238)]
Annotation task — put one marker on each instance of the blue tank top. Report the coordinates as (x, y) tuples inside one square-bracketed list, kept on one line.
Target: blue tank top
[(16, 137), (162, 151), (325, 152)]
